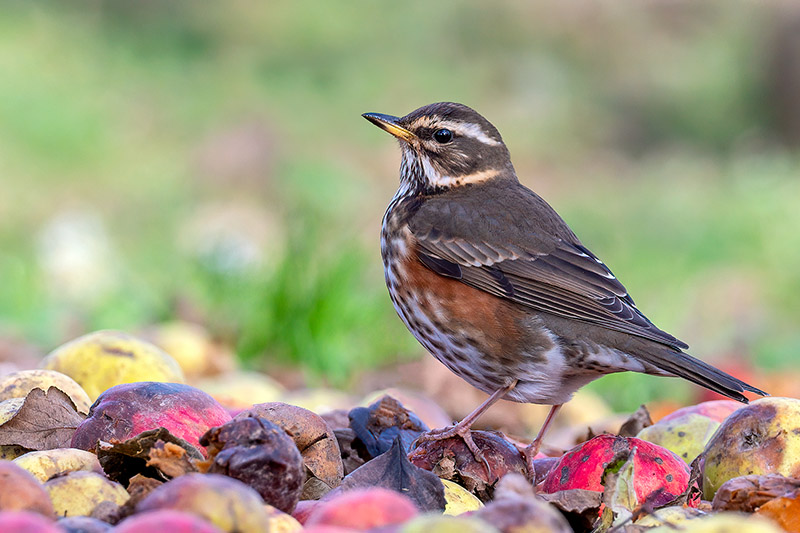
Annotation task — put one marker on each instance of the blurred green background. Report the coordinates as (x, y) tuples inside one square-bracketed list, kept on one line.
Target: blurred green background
[(164, 160)]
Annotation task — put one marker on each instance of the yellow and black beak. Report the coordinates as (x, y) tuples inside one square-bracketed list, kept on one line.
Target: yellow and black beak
[(390, 124)]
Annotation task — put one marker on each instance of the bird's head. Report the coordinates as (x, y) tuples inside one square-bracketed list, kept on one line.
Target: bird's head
[(446, 145)]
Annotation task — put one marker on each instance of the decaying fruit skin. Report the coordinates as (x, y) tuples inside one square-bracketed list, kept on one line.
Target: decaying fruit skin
[(655, 468), (260, 454), (760, 438), (124, 411)]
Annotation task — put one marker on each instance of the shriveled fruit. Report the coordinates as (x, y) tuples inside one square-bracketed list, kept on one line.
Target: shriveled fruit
[(227, 503), (451, 459), (260, 454), (19, 384), (80, 493), (313, 437), (103, 359), (20, 491), (686, 435), (26, 522), (363, 509), (124, 411), (659, 475), (46, 464), (165, 520), (760, 438)]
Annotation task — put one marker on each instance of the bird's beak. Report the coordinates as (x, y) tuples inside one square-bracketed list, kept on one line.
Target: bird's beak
[(389, 123)]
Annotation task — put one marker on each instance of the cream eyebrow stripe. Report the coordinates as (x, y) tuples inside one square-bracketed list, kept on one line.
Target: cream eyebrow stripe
[(462, 128)]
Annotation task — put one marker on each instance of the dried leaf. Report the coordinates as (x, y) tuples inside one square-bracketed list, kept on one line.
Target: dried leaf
[(580, 507), (639, 420), (139, 487), (748, 493), (378, 425), (45, 421), (394, 471), (123, 460), (351, 458), (170, 459)]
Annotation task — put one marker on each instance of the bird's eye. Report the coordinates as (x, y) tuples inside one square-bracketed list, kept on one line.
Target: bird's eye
[(443, 136)]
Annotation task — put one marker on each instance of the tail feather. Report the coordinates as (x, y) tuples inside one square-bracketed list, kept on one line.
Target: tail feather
[(683, 365)]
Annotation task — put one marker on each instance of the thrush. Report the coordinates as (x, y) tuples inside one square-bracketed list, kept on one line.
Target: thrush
[(496, 286)]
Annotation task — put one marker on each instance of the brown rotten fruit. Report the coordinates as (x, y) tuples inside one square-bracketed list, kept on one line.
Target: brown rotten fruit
[(260, 454)]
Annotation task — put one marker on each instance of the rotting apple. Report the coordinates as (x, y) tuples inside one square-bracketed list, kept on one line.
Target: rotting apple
[(760, 438), (124, 411)]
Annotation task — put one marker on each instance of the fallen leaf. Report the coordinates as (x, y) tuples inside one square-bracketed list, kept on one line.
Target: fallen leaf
[(123, 460), (639, 420), (394, 471), (748, 493), (170, 459), (580, 507), (348, 446), (45, 421), (378, 425)]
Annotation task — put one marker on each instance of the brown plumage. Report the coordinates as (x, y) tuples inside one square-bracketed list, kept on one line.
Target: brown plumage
[(490, 279)]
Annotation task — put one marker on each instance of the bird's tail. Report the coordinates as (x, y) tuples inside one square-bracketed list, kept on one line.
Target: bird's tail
[(687, 367)]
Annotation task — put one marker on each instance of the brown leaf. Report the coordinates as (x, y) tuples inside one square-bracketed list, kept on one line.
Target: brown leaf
[(139, 487), (580, 507), (378, 425), (394, 471), (170, 459), (639, 420), (123, 460), (748, 493), (45, 421)]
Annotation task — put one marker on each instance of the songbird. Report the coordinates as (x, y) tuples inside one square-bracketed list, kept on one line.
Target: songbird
[(496, 286)]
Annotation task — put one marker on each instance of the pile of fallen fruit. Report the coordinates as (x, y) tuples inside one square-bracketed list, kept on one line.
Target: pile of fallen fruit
[(107, 436)]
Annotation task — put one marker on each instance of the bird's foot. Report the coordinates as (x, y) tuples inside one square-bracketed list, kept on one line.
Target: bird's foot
[(529, 453), (465, 433)]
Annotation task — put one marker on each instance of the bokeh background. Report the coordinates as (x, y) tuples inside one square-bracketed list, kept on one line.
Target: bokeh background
[(208, 163)]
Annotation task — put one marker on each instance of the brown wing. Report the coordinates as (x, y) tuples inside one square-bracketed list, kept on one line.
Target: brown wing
[(534, 260)]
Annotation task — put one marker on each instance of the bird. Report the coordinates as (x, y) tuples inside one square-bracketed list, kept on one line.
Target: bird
[(497, 287)]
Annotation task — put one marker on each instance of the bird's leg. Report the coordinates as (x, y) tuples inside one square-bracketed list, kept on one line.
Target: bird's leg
[(462, 429), (533, 448)]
